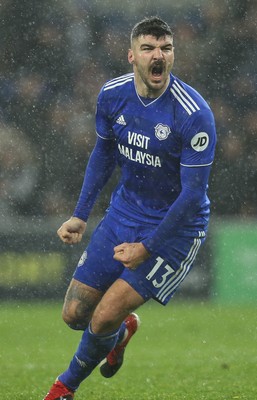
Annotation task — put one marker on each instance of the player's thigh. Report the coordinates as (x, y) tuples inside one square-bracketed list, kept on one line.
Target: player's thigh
[(119, 301), (97, 267), (160, 276), (95, 273), (79, 304)]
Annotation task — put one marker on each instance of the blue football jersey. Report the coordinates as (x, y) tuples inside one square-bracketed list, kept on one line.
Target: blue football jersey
[(155, 138)]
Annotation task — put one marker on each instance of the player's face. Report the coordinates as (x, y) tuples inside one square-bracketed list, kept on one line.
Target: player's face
[(152, 60)]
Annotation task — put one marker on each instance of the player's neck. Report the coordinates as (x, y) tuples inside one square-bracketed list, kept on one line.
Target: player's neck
[(147, 92)]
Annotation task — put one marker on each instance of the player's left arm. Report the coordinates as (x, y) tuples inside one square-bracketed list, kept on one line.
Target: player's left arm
[(196, 160), (130, 254), (194, 183), (198, 147)]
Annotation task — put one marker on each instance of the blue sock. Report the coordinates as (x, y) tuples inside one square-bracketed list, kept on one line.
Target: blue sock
[(91, 351)]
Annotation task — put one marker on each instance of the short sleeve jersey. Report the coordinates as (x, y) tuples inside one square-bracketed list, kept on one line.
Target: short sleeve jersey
[(154, 138)]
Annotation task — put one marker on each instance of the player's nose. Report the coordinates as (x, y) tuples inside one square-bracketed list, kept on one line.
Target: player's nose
[(157, 54)]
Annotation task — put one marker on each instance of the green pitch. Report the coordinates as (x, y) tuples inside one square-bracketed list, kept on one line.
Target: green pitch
[(182, 351)]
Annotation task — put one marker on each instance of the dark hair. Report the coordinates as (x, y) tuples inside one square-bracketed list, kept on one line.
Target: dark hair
[(153, 26)]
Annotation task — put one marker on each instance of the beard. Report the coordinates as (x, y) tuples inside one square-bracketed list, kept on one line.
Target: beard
[(155, 79)]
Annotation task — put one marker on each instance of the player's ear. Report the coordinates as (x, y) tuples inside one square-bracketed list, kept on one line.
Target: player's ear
[(130, 56)]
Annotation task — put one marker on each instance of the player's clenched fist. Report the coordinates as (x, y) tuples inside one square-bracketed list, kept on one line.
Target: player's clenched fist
[(71, 231), (130, 254)]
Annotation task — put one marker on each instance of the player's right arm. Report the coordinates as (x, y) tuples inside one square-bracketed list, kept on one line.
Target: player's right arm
[(99, 169), (71, 231)]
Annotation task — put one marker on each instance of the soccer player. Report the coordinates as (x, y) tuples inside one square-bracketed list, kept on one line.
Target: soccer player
[(161, 133)]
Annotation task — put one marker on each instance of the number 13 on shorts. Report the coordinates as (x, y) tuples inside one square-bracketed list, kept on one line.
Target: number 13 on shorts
[(164, 277)]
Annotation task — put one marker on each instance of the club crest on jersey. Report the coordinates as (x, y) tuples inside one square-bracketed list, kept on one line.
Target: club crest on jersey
[(162, 131)]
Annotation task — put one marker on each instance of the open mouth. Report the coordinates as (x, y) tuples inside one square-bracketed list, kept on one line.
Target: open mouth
[(157, 70)]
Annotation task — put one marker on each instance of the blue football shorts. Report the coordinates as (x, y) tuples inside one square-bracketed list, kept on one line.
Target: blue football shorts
[(157, 278)]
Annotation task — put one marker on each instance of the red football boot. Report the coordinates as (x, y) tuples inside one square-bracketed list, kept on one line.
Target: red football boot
[(114, 360), (59, 392)]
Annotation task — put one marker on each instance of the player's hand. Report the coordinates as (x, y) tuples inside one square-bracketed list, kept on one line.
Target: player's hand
[(131, 255), (71, 231)]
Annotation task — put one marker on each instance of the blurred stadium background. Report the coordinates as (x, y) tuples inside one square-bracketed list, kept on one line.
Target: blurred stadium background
[(55, 55)]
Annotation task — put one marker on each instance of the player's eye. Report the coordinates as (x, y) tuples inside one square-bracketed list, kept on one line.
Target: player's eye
[(146, 48), (167, 48)]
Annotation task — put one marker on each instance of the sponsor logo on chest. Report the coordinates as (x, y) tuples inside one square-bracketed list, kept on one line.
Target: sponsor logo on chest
[(137, 150)]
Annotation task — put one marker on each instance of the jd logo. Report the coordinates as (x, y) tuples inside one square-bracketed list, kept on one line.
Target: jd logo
[(200, 141)]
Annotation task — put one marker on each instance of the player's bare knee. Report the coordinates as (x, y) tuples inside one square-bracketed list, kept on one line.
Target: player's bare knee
[(68, 317), (74, 319), (79, 305)]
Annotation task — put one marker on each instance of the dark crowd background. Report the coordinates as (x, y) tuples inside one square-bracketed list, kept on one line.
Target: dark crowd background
[(56, 55)]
